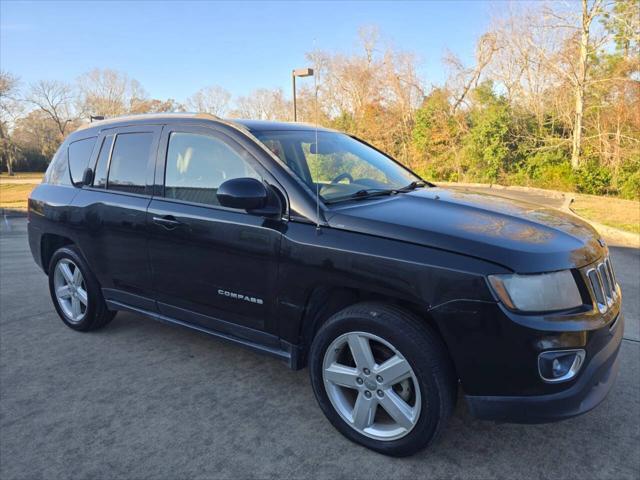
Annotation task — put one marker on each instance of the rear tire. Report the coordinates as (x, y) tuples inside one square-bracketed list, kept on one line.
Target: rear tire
[(75, 292), (391, 416)]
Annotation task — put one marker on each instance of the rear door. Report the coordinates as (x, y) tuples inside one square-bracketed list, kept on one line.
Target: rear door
[(209, 262), (111, 213)]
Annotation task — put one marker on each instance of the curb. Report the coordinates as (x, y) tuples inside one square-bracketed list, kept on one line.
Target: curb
[(517, 188), (612, 235), (12, 213), (615, 236)]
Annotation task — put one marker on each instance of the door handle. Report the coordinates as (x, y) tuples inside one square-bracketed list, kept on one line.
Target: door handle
[(168, 221)]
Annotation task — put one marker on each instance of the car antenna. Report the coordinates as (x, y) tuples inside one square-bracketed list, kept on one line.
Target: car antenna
[(315, 87)]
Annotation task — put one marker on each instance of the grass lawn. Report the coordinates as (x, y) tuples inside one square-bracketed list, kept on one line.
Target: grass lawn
[(14, 195), (614, 212), (20, 175)]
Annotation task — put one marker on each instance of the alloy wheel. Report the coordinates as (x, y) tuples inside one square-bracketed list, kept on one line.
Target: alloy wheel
[(70, 290), (371, 386)]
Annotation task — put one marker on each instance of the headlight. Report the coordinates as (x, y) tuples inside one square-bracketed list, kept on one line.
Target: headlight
[(537, 293)]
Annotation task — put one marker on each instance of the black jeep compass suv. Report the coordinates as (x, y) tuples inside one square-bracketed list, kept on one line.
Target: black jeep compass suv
[(313, 246)]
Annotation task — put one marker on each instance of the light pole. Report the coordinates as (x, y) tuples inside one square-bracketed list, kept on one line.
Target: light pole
[(298, 72)]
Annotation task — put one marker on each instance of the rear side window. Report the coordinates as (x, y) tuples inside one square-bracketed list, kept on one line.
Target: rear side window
[(198, 164), (102, 165), (58, 170), (128, 167), (79, 156)]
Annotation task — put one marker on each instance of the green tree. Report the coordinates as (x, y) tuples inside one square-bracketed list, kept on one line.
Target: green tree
[(622, 21), (436, 137), (489, 143), (435, 128)]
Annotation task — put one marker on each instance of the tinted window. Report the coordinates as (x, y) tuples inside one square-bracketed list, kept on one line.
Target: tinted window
[(58, 170), (198, 164), (79, 156), (100, 174), (128, 167)]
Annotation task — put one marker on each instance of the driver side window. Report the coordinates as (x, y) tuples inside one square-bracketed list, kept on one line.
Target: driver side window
[(198, 164)]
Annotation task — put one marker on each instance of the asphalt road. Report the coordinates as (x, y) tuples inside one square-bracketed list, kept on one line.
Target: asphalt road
[(141, 399)]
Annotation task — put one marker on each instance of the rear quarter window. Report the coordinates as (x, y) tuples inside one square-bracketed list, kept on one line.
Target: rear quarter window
[(58, 171), (79, 156)]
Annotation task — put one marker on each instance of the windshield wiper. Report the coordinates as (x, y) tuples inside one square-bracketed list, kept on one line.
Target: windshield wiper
[(364, 193), (376, 192), (412, 186)]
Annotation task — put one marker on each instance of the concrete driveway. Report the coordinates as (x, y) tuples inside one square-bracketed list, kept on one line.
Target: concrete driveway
[(141, 399)]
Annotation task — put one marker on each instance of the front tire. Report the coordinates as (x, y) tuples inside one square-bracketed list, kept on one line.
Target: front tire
[(383, 378), (75, 292)]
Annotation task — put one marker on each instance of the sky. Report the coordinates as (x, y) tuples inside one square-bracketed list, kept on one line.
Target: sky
[(175, 48)]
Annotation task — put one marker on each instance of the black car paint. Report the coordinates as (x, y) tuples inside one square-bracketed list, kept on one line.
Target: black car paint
[(521, 237), (428, 250)]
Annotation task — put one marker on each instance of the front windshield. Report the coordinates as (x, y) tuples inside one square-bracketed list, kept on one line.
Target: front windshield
[(340, 166)]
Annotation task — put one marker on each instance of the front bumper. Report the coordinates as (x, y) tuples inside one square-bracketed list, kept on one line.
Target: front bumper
[(589, 390)]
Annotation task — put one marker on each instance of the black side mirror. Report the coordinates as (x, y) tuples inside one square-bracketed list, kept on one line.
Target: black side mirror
[(245, 193), (87, 176)]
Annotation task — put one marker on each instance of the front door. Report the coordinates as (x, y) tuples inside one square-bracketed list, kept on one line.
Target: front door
[(211, 265)]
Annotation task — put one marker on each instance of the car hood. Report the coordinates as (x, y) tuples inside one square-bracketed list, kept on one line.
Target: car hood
[(522, 237)]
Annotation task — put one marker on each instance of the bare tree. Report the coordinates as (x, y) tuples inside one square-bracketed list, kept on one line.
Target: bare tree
[(612, 121), (263, 104), (55, 98), (108, 92), (568, 55), (350, 83), (534, 79), (403, 95), (154, 105), (372, 93), (589, 13), (213, 99), (36, 132), (10, 109), (547, 51), (464, 79)]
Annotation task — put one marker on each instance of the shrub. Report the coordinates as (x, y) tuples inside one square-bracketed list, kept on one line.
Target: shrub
[(31, 161), (629, 180), (593, 178), (440, 170), (490, 145), (556, 177)]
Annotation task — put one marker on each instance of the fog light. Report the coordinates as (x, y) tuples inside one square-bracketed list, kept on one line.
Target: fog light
[(560, 365)]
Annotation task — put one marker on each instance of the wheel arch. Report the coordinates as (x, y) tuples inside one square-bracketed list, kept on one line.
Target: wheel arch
[(49, 244), (325, 301)]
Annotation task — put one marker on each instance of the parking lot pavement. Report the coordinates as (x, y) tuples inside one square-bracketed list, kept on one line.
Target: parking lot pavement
[(141, 399)]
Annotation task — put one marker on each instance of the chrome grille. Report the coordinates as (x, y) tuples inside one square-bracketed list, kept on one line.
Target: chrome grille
[(602, 283)]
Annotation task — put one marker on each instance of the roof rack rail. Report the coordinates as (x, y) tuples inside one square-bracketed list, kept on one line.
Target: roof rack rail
[(97, 120)]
